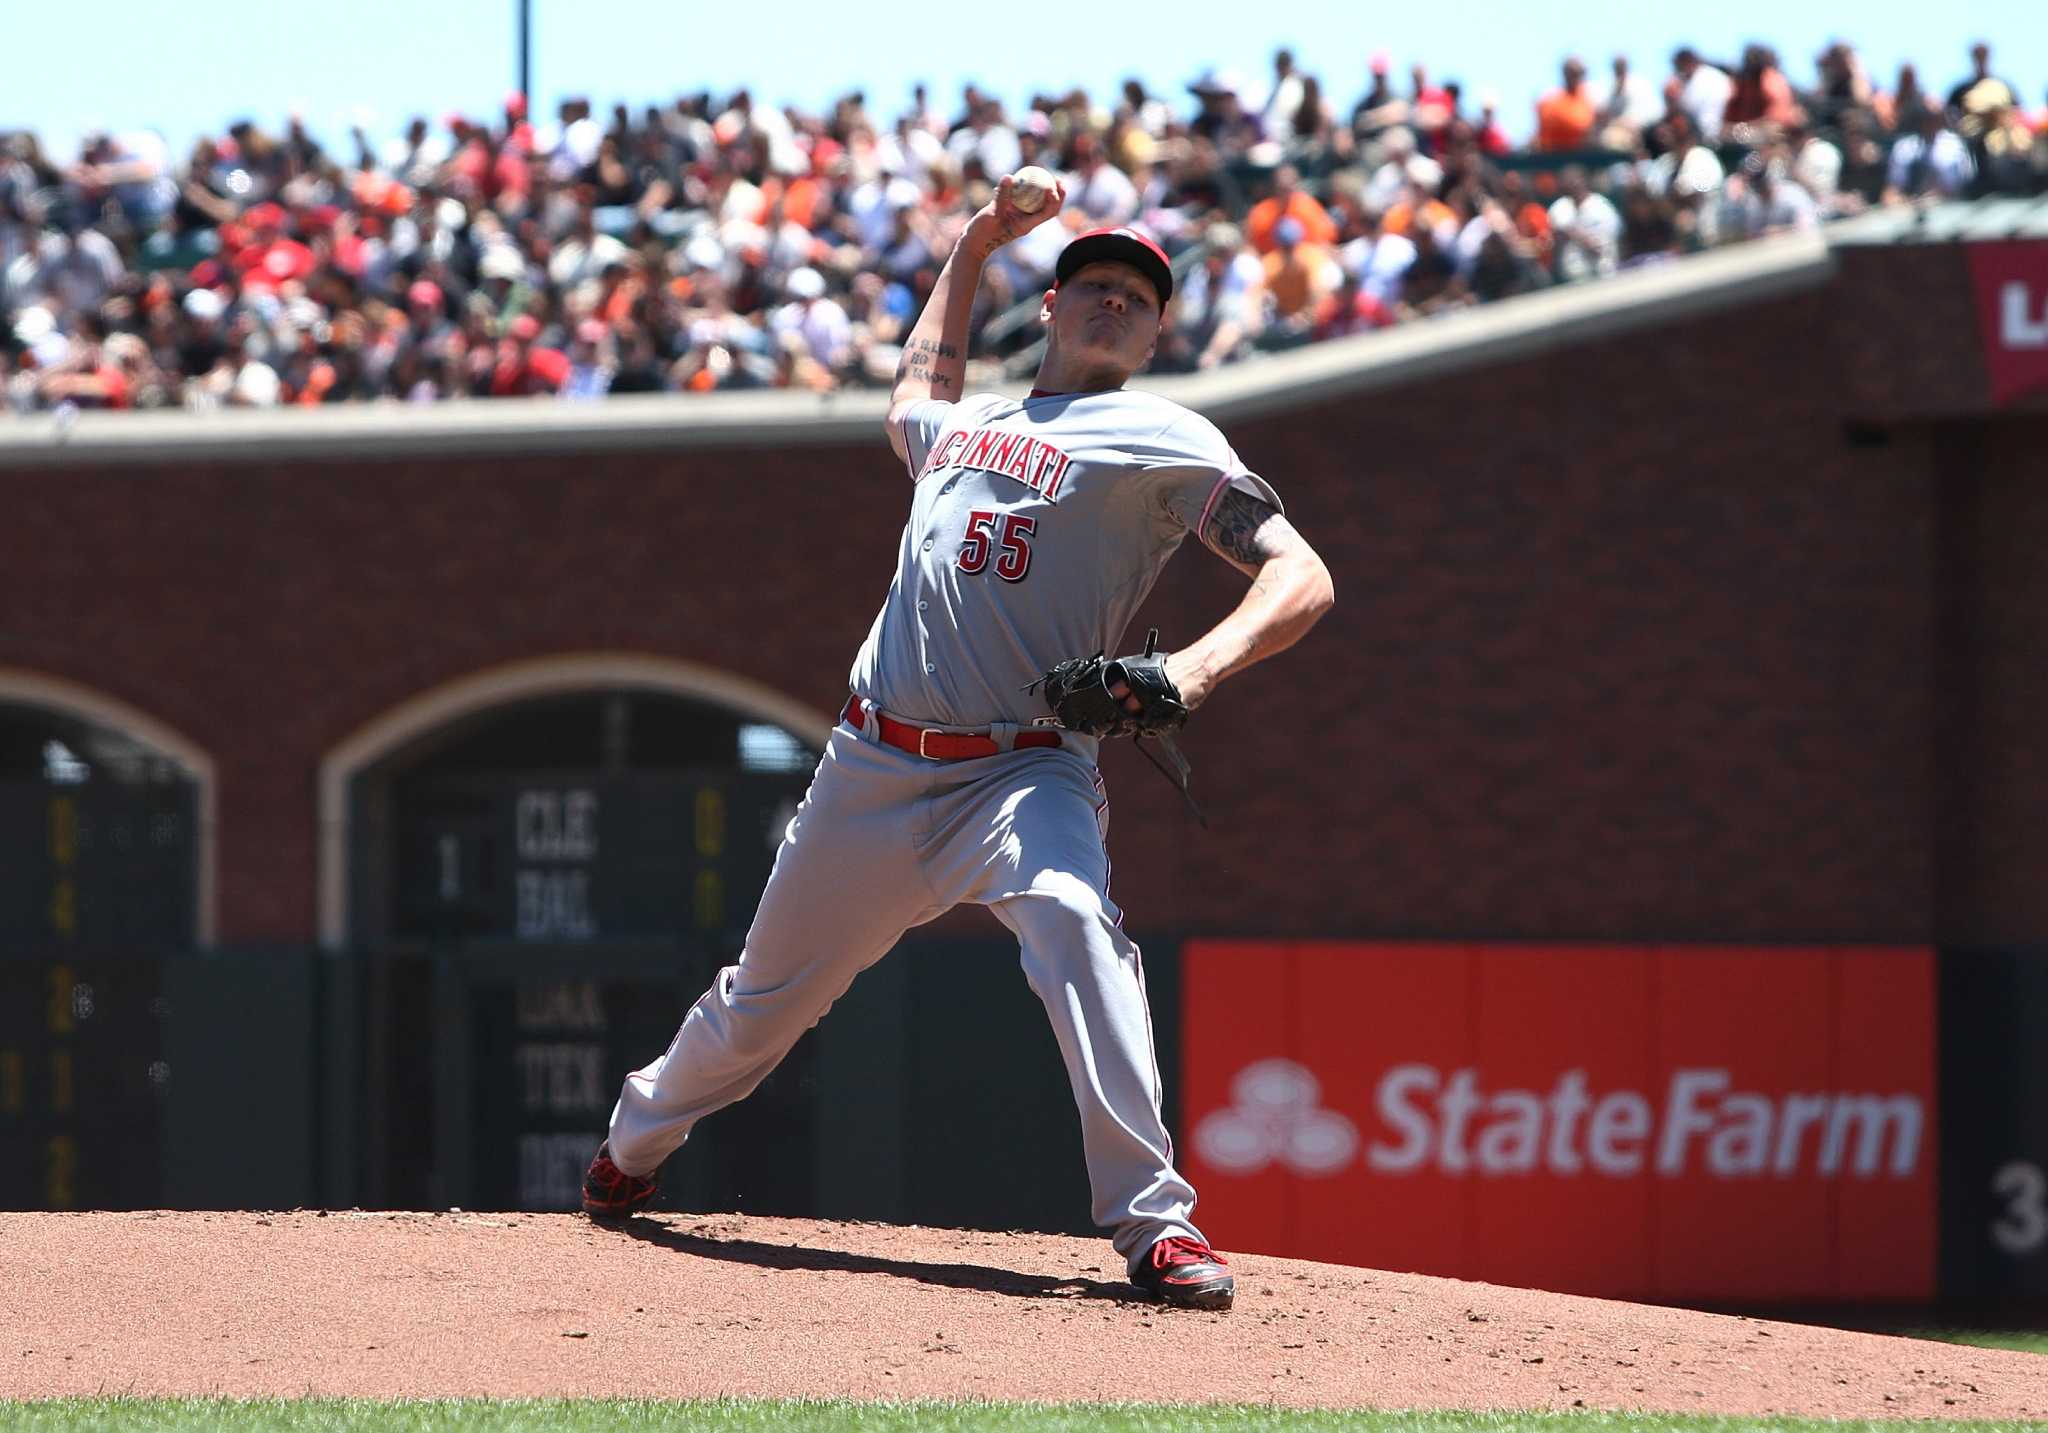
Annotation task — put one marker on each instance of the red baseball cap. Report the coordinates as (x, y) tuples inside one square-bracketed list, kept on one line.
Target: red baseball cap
[(1123, 246)]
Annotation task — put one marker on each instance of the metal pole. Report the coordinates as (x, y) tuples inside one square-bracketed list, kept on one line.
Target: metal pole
[(526, 51)]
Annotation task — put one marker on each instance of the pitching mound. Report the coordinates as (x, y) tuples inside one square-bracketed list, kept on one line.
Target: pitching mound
[(394, 1305)]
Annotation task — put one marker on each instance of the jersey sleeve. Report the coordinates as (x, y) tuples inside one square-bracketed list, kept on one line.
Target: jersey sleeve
[(1187, 468), (921, 428)]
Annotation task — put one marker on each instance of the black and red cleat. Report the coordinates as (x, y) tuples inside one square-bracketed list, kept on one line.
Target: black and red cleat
[(609, 1193), (1186, 1272)]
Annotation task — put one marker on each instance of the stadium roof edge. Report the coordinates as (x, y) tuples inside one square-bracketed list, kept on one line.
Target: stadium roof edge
[(1468, 338)]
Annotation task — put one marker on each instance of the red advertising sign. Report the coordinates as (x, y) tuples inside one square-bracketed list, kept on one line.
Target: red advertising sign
[(2011, 279), (1695, 1123)]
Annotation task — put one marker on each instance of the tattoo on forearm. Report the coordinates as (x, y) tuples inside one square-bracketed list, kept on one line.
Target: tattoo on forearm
[(919, 364), (1244, 528)]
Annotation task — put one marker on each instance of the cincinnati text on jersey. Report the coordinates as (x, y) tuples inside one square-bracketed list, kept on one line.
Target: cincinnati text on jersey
[(1031, 461)]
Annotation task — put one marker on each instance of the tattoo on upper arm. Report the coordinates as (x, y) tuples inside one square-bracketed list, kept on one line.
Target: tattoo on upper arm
[(1245, 529)]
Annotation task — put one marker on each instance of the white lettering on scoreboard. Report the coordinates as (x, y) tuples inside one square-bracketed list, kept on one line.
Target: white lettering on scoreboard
[(551, 1170), (553, 901), (563, 1079)]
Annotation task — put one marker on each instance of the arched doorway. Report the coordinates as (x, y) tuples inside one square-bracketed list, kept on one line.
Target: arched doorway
[(106, 830), (106, 867), (542, 864)]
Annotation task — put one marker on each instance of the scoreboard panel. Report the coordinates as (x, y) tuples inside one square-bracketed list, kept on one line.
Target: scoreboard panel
[(100, 863), (97, 883), (83, 1080), (571, 856)]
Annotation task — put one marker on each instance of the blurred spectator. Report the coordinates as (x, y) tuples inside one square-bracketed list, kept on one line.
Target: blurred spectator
[(1816, 165), (1487, 132), (1097, 188), (2006, 151), (1348, 310), (1981, 91), (1759, 200), (1217, 306), (1379, 109), (1378, 260), (1431, 283), (1843, 86), (710, 242), (524, 365), (1222, 119), (1864, 164), (817, 321), (1626, 105), (1931, 162), (1900, 110), (1565, 116), (1288, 200), (1502, 269), (592, 361), (1700, 91), (1586, 229), (1687, 169), (1761, 105), (1283, 101), (1299, 272)]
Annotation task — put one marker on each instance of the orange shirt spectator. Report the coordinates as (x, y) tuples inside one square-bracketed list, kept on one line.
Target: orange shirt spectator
[(1404, 216), (1565, 116), (1299, 273), (800, 200), (1532, 222), (1288, 201)]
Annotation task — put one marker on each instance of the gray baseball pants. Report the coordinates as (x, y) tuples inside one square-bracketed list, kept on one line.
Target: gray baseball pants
[(883, 841)]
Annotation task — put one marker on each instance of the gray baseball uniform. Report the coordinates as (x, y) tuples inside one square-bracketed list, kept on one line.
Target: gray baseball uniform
[(1037, 527)]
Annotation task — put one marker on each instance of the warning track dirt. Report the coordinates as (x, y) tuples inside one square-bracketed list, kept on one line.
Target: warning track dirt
[(686, 1306)]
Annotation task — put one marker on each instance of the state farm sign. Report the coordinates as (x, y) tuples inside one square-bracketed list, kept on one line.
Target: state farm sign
[(1649, 1122), (1700, 1123), (2011, 280)]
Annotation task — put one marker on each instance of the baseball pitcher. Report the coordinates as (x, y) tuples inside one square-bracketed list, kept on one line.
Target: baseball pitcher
[(963, 767)]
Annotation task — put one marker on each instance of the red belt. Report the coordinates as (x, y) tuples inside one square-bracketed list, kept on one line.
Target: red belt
[(934, 744)]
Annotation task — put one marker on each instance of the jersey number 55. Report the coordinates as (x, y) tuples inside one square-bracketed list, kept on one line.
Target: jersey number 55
[(1012, 550)]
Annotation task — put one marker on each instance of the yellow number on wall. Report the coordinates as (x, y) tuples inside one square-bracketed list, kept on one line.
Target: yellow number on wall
[(64, 831), (58, 1013), (710, 821), (710, 902), (60, 1184)]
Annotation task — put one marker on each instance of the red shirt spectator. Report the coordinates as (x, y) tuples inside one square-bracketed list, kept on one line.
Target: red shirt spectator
[(1762, 93), (270, 258), (524, 368), (1350, 310)]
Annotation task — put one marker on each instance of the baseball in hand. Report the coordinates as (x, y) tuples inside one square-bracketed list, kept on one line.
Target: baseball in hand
[(1030, 187)]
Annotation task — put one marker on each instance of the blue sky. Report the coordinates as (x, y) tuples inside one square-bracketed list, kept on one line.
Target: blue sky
[(191, 68)]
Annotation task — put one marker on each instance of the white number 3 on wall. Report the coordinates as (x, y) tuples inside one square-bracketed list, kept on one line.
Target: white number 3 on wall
[(2023, 1227)]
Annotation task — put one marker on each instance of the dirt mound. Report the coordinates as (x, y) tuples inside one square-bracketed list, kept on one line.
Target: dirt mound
[(689, 1306)]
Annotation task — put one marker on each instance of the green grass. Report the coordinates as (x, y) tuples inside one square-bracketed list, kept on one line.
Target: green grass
[(2025, 1342), (165, 1415)]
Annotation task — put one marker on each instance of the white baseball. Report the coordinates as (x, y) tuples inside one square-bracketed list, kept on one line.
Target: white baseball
[(1030, 187)]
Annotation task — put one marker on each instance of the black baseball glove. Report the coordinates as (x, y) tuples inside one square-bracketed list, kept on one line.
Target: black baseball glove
[(1079, 692)]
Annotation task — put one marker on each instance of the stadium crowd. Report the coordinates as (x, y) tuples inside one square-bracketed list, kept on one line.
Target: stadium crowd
[(716, 243)]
